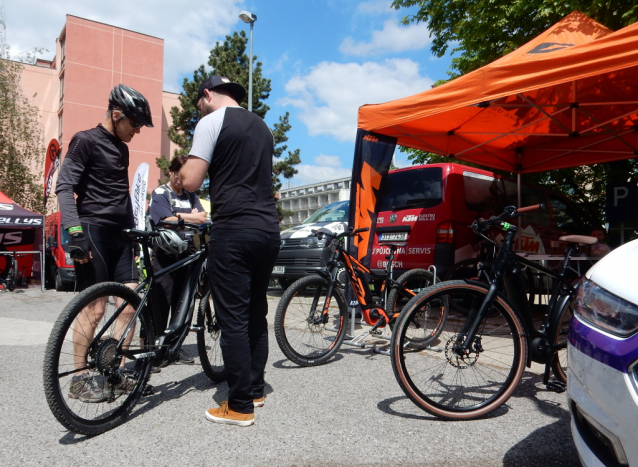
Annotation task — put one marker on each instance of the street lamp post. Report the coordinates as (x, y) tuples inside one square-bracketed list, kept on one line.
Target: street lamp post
[(248, 17)]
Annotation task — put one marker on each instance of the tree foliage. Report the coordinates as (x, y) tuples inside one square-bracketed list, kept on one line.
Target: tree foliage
[(21, 137), (230, 59), (485, 30)]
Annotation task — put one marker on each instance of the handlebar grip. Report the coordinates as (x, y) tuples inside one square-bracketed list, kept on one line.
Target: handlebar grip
[(365, 229), (534, 207)]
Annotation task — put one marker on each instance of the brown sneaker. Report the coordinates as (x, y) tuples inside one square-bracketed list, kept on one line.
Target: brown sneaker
[(226, 415), (259, 402)]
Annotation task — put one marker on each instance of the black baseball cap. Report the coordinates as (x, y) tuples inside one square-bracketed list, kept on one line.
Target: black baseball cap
[(237, 91)]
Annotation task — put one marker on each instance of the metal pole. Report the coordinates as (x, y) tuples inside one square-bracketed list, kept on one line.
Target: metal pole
[(250, 71)]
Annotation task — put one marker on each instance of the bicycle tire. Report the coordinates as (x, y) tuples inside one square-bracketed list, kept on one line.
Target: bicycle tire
[(304, 342), (208, 339), (426, 325), (120, 384), (560, 330), (454, 387)]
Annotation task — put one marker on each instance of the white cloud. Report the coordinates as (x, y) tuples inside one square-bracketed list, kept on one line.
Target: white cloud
[(393, 38), (329, 161), (309, 174), (189, 29), (329, 97)]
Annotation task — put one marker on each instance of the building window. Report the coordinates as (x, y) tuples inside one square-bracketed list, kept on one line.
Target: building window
[(62, 86), (62, 50), (60, 126)]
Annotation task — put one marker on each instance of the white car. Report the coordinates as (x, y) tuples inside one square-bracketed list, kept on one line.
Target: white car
[(602, 384)]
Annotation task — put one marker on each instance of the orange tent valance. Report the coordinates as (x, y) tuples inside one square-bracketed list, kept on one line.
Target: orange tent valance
[(567, 98)]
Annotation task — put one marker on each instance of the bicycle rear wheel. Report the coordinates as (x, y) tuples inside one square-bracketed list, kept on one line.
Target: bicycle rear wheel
[(445, 382), (89, 387), (208, 338), (559, 338), (426, 324), (310, 325)]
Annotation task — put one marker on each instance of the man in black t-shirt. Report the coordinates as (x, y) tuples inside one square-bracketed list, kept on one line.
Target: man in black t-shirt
[(235, 147)]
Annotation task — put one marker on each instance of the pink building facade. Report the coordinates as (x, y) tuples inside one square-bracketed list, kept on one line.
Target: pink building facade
[(71, 91)]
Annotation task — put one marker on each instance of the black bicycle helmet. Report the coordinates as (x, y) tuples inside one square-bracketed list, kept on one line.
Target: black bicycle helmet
[(132, 103)]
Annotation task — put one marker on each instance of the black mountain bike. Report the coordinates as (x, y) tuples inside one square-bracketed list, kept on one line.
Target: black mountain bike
[(105, 341), (488, 337), (311, 321)]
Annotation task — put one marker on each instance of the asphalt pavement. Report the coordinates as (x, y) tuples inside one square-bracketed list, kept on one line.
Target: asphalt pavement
[(350, 411)]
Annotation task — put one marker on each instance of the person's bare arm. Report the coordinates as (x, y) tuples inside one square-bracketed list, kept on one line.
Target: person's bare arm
[(193, 173)]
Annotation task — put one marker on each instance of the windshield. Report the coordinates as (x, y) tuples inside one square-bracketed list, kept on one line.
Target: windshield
[(65, 237), (412, 188), (335, 212)]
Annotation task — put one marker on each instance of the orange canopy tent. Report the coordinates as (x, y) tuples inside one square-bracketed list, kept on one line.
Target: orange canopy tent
[(567, 98)]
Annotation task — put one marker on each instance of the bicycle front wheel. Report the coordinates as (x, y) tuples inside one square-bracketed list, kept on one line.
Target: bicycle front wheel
[(428, 323), (89, 386), (447, 381), (208, 338), (310, 325)]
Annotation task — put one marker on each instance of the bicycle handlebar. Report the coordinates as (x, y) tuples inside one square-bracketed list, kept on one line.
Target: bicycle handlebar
[(348, 233), (510, 213)]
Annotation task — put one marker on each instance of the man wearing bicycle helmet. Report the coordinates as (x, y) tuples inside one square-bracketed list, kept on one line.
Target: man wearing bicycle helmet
[(235, 147), (170, 202), (95, 169)]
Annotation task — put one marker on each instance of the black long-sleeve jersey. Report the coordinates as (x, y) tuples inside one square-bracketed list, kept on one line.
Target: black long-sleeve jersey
[(96, 169)]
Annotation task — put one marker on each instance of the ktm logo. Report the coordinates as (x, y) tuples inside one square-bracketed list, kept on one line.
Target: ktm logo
[(410, 218), (372, 139)]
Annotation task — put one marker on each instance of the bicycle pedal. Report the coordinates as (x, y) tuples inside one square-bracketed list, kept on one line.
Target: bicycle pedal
[(376, 332), (556, 386), (196, 328)]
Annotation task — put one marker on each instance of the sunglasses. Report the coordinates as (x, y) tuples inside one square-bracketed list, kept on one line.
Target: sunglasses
[(136, 125)]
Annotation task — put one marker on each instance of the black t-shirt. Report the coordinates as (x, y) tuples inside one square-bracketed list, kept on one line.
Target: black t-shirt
[(96, 169), (239, 147)]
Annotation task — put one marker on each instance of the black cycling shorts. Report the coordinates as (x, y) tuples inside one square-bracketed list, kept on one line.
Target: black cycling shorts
[(112, 258)]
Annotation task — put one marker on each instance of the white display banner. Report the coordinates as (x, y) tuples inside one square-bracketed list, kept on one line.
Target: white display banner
[(138, 195)]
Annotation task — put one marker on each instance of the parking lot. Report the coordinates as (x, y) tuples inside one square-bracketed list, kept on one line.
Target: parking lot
[(348, 412)]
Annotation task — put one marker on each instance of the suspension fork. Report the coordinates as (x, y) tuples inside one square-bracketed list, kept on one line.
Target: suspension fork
[(475, 317), (333, 263)]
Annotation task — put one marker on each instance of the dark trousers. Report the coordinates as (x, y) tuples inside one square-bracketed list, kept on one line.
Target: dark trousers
[(239, 269), (168, 288)]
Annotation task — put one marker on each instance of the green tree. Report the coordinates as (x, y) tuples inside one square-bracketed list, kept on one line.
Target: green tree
[(485, 30), (230, 59), (21, 137)]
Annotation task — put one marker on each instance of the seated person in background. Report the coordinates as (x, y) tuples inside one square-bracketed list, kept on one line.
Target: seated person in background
[(600, 249), (170, 202)]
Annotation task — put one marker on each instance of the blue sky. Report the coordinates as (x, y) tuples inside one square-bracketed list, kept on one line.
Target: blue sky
[(325, 58)]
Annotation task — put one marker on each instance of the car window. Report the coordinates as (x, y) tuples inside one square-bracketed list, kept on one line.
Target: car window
[(412, 188), (335, 212), (484, 194), (529, 197), (566, 218)]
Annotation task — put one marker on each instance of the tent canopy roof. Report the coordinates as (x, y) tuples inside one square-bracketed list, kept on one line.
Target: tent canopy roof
[(14, 215), (567, 98)]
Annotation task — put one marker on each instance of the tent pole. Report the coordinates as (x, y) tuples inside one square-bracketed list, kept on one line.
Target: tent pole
[(518, 200)]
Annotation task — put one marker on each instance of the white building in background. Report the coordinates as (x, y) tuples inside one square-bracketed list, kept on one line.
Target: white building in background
[(305, 200)]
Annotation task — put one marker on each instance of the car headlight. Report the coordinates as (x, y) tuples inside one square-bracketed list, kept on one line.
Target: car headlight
[(605, 310), (312, 242), (68, 259)]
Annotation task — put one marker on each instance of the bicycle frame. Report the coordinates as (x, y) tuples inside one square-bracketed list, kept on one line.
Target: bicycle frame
[(358, 275), (170, 341), (506, 267)]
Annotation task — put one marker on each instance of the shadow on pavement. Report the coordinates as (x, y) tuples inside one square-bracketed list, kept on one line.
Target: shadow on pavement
[(286, 364), (540, 448)]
